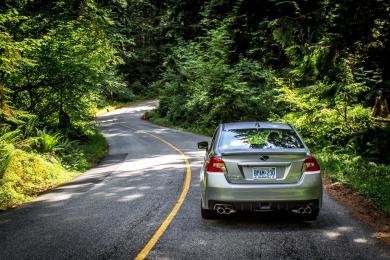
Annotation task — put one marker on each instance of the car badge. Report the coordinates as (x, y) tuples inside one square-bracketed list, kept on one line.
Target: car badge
[(264, 157)]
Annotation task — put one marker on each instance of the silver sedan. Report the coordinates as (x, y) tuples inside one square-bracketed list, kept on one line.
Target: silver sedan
[(259, 166)]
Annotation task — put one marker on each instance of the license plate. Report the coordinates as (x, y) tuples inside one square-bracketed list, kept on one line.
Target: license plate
[(264, 173)]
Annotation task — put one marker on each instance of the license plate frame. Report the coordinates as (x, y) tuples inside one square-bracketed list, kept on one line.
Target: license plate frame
[(264, 173)]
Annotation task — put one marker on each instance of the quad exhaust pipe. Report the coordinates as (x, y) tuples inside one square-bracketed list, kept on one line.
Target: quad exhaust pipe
[(303, 210), (224, 209)]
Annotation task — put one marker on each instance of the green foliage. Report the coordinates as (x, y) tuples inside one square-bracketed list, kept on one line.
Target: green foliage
[(284, 61), (137, 37), (202, 88), (322, 123), (82, 155), (27, 175), (368, 178), (49, 143), (6, 153), (59, 72)]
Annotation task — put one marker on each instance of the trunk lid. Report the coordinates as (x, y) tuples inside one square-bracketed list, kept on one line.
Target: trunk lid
[(264, 167)]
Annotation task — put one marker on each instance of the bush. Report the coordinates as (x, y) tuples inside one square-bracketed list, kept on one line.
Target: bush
[(27, 175), (24, 173), (49, 143), (85, 153), (202, 88), (367, 178)]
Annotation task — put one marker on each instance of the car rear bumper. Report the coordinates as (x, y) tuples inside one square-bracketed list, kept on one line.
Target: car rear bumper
[(215, 188), (265, 205)]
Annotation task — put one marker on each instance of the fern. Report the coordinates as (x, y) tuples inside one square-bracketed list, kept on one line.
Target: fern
[(49, 143)]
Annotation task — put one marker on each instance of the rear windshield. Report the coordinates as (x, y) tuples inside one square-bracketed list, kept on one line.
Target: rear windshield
[(259, 139)]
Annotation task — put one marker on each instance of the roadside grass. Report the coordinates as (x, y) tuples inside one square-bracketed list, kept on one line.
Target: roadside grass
[(85, 152), (28, 173), (367, 178), (94, 149)]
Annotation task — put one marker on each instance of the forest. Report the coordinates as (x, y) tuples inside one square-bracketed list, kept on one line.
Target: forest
[(322, 66)]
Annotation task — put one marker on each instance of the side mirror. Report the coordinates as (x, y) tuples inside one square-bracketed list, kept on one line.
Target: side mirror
[(203, 145)]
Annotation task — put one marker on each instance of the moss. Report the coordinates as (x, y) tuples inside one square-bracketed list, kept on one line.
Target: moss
[(27, 175)]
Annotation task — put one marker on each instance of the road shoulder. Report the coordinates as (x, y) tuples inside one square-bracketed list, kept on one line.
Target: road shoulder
[(361, 208)]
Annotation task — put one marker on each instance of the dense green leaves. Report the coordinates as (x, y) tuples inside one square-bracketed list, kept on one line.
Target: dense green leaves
[(54, 72), (202, 87), (319, 64), (58, 61), (314, 64)]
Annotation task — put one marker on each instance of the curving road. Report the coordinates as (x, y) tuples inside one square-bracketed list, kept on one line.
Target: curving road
[(113, 210)]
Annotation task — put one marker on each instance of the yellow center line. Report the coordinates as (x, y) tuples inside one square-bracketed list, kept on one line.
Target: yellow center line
[(186, 186)]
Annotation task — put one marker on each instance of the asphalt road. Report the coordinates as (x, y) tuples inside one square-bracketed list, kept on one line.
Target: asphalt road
[(112, 211)]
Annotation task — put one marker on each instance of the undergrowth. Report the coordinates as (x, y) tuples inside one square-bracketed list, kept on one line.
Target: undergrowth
[(365, 177), (27, 175), (33, 165)]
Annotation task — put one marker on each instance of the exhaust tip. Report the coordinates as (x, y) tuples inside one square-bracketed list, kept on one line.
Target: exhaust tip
[(308, 209), (303, 210), (220, 210), (224, 209)]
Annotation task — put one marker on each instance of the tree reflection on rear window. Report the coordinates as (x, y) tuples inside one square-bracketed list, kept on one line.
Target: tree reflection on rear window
[(260, 139)]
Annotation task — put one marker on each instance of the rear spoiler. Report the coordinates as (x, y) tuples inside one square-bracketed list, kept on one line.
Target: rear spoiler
[(263, 152)]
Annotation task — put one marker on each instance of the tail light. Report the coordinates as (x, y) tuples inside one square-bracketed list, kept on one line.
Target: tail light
[(311, 164), (215, 165)]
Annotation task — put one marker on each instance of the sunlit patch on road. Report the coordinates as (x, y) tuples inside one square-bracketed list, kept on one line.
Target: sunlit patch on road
[(154, 163), (60, 197), (360, 240), (332, 234), (125, 110), (345, 229), (130, 197)]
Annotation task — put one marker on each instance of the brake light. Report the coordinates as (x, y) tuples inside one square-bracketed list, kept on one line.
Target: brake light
[(215, 165), (311, 164)]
